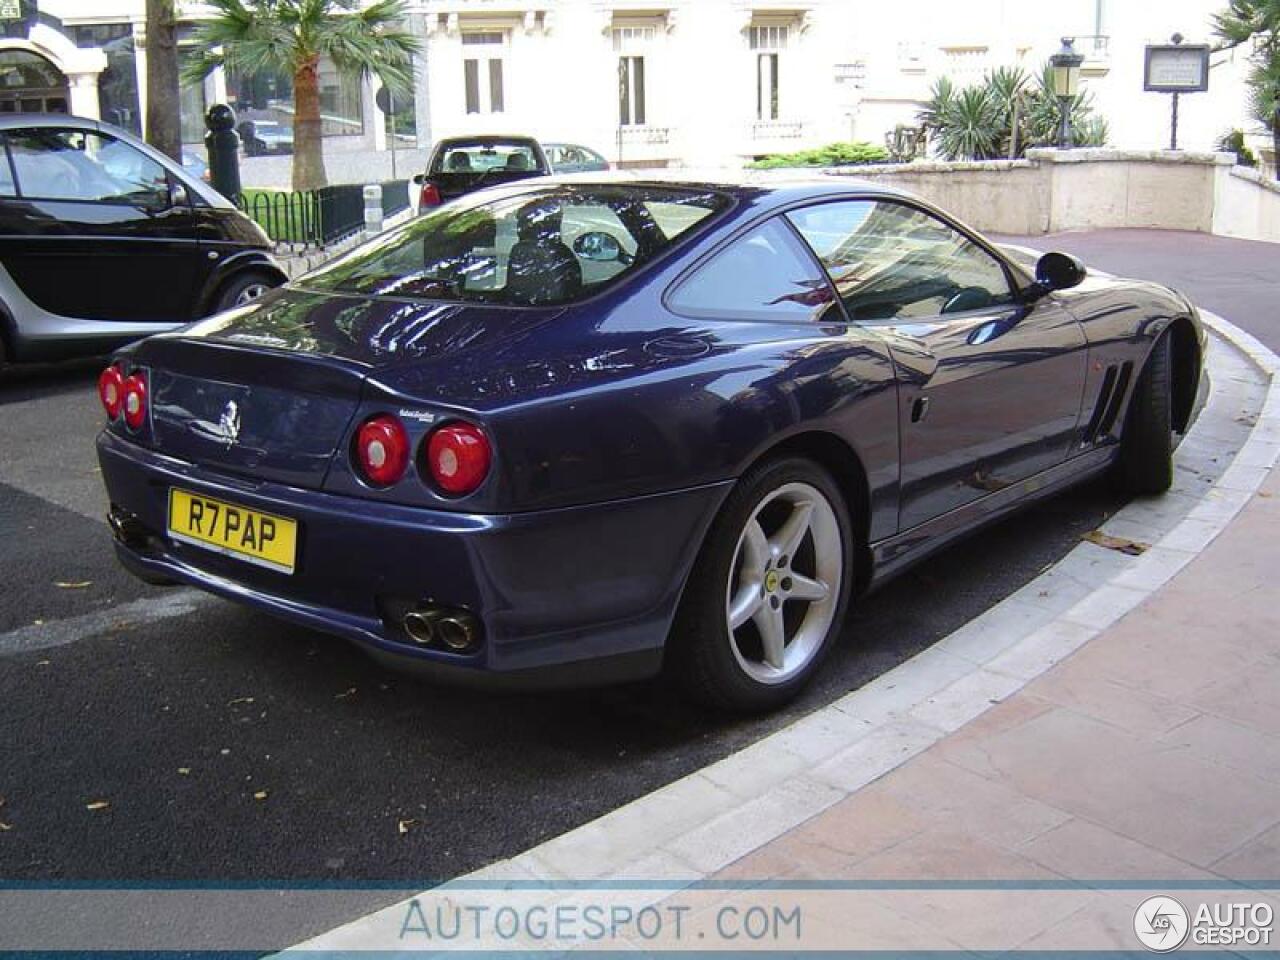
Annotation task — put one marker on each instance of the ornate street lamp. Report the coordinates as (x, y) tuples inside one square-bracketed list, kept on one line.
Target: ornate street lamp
[(1066, 65)]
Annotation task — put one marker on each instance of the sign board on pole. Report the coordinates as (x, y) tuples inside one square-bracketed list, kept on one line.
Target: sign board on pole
[(10, 9), (1177, 68)]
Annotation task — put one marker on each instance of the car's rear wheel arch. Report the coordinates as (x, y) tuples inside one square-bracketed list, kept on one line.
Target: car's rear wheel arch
[(840, 460)]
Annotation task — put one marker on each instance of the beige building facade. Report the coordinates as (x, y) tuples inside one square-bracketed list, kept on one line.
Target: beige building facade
[(662, 82)]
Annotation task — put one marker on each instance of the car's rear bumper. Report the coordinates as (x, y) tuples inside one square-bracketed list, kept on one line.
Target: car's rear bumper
[(565, 597)]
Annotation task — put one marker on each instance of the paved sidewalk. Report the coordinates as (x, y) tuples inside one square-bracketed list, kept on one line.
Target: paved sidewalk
[(1152, 753), (1111, 728)]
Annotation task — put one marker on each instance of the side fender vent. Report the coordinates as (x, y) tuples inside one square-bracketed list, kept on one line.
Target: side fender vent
[(1117, 400), (1115, 386), (1100, 407)]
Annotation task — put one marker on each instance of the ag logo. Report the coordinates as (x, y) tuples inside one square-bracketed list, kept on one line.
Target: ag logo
[(1161, 924)]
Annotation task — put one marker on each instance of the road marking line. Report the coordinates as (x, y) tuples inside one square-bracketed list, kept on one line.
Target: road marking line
[(873, 730), (59, 633)]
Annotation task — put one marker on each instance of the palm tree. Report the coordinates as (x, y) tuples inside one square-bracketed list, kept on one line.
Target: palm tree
[(164, 125), (254, 37), (1257, 21)]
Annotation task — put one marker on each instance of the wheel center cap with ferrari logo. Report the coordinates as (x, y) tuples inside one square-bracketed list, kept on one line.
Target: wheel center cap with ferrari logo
[(771, 581)]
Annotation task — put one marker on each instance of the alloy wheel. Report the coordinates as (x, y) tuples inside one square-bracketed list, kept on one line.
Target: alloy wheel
[(784, 583), (251, 293)]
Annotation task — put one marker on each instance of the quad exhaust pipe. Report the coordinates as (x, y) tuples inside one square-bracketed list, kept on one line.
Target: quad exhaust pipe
[(455, 630)]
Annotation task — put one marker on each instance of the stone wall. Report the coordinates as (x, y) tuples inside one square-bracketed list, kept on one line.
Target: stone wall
[(1092, 189), (1247, 205)]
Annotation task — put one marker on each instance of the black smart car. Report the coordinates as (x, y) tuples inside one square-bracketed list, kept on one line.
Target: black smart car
[(104, 240)]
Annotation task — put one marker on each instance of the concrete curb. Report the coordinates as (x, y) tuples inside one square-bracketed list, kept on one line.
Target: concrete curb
[(698, 825)]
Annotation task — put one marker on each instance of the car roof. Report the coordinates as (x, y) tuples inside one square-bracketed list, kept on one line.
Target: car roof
[(781, 187), (487, 138), (9, 121)]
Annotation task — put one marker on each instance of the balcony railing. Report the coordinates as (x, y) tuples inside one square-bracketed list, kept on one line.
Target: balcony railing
[(776, 130), (1097, 52), (644, 135)]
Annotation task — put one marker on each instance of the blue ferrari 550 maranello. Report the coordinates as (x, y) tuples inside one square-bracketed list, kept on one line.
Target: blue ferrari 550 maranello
[(580, 431)]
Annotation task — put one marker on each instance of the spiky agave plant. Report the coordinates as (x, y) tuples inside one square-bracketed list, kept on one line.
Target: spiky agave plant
[(931, 113), (969, 126), (1007, 89)]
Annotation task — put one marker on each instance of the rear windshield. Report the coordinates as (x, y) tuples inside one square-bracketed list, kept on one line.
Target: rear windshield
[(481, 158), (550, 245)]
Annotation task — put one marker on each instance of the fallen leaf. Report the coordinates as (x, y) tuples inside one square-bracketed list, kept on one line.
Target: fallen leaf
[(1131, 547), (5, 827), (1263, 493), (37, 623), (225, 751), (98, 805), (232, 703), (72, 584), (403, 826), (346, 693), (260, 795), (184, 770), (43, 663)]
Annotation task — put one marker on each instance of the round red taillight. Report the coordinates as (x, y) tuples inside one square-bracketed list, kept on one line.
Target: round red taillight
[(458, 457), (111, 391), (135, 401), (382, 450)]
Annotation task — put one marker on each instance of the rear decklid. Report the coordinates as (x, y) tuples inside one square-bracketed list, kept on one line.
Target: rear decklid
[(269, 391)]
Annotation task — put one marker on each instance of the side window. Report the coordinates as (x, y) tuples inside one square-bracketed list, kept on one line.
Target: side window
[(763, 275), (889, 260), (82, 165)]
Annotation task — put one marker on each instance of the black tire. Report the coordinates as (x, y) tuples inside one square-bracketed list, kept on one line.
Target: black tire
[(1146, 446), (700, 655), (231, 292)]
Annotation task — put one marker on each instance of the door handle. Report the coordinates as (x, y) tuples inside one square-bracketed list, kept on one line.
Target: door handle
[(919, 409)]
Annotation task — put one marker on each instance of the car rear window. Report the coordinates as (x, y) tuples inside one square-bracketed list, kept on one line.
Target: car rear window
[(481, 158), (550, 245)]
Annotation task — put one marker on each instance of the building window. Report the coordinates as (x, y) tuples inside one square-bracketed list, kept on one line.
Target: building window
[(483, 71), (118, 84), (631, 91), (341, 101), (770, 37), (768, 41), (766, 86), (627, 38)]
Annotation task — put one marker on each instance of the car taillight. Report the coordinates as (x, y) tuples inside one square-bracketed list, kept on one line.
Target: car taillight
[(458, 457), (111, 390), (430, 196), (135, 400), (382, 450)]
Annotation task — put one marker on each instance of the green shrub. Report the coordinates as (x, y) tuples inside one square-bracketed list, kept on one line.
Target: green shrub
[(1233, 142), (832, 155)]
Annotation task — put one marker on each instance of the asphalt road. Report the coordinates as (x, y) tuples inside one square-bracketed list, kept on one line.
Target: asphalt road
[(229, 747)]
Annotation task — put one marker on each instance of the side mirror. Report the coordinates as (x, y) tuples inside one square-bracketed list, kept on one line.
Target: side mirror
[(178, 196), (418, 178), (598, 246), (1059, 271)]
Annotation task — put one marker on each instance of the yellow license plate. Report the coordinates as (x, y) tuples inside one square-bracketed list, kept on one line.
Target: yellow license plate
[(260, 538)]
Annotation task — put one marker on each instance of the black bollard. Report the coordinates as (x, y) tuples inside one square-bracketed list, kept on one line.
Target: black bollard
[(223, 144)]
